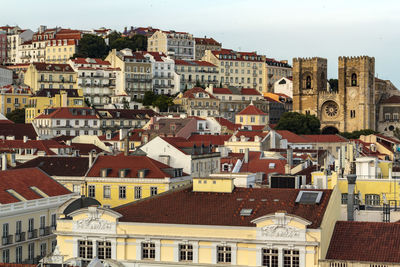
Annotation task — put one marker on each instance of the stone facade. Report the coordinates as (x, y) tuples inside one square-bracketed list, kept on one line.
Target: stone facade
[(351, 107)]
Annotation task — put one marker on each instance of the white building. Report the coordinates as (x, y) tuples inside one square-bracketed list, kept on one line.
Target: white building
[(97, 79), (15, 37), (284, 86), (179, 45), (6, 76), (67, 121), (163, 69)]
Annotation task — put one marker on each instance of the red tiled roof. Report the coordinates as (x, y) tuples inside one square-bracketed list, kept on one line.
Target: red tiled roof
[(182, 144), (324, 138), (222, 91), (292, 137), (395, 99), (97, 61), (133, 163), (194, 63), (156, 55), (190, 93), (250, 134), (210, 208), (389, 139), (227, 123), (258, 164), (18, 130), (40, 66), (250, 91), (21, 182), (40, 145), (216, 140), (206, 41), (365, 241), (67, 113), (85, 149), (251, 110), (240, 56)]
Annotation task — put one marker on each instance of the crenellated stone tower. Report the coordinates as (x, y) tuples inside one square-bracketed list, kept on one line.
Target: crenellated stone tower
[(351, 107)]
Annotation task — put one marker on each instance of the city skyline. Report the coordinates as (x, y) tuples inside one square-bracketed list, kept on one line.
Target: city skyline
[(333, 29)]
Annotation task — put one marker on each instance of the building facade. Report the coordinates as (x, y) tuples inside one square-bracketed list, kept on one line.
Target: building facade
[(13, 97), (198, 102), (274, 71), (178, 45), (6, 76), (203, 44)]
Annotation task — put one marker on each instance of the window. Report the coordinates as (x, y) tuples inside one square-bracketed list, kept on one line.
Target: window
[(185, 252), (31, 251), (8, 100), (387, 116), (92, 191), (138, 192), (42, 222), (18, 227), (241, 119), (104, 250), (18, 254), (372, 199), (31, 225), (5, 230), (53, 220), (43, 249), (344, 198), (270, 257), (308, 82), (122, 192), (291, 258), (106, 191), (354, 79), (153, 191), (148, 251), (6, 255), (85, 249), (252, 119), (224, 254)]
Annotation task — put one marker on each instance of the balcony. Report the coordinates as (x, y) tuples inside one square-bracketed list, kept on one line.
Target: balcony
[(20, 237), (6, 240), (163, 86), (44, 231), (32, 234), (138, 80)]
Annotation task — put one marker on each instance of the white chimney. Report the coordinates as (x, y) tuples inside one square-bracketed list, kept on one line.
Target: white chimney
[(4, 162), (25, 138), (90, 159)]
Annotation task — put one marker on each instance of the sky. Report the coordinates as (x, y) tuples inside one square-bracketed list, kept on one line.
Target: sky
[(277, 29)]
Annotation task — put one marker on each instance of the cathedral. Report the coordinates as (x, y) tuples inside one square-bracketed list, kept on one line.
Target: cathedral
[(353, 106)]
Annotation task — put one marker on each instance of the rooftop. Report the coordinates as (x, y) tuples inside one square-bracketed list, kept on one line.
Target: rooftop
[(251, 110)]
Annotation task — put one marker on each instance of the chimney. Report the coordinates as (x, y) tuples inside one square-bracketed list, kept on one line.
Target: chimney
[(290, 157), (4, 162), (351, 182), (246, 155), (90, 159), (272, 139), (25, 138)]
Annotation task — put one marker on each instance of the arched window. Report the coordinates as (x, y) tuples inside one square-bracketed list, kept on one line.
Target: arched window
[(308, 82), (354, 79)]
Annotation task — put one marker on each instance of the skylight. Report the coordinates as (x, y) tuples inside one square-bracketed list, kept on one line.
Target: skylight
[(309, 197), (246, 212)]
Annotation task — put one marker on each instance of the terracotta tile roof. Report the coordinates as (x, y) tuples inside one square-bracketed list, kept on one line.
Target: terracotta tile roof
[(186, 146), (39, 145), (206, 41), (250, 135), (208, 208), (191, 93), (194, 63), (365, 241), (258, 164), (251, 110), (58, 166), (21, 182), (250, 91), (156, 55), (325, 138), (40, 66), (222, 91), (155, 169), (239, 56), (387, 138), (18, 130), (215, 140), (85, 149), (227, 123), (90, 61), (292, 137), (67, 113)]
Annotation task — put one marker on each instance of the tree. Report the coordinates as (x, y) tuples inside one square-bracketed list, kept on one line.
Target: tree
[(113, 36), (357, 134), (92, 46), (334, 83), (17, 115), (137, 42), (149, 98), (163, 102), (299, 123)]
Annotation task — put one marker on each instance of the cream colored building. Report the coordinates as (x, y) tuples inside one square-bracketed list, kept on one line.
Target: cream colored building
[(178, 45), (244, 69), (198, 102), (197, 227), (274, 71), (28, 214), (192, 72)]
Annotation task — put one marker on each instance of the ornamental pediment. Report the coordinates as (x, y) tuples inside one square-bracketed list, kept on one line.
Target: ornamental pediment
[(94, 220)]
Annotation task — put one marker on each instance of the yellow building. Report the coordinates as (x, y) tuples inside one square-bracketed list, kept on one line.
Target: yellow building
[(117, 180), (244, 139), (251, 116), (63, 46), (214, 224), (13, 97), (52, 98), (50, 76)]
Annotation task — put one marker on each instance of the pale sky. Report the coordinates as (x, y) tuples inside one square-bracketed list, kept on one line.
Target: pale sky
[(277, 29)]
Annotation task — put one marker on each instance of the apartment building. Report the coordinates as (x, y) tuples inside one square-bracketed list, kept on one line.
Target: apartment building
[(39, 42), (245, 69), (192, 72), (28, 214), (203, 44), (13, 97), (6, 76), (15, 37), (163, 70), (178, 45), (18, 75), (198, 102), (274, 71), (67, 121), (50, 76), (3, 47), (96, 78), (63, 46), (52, 98), (136, 78)]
